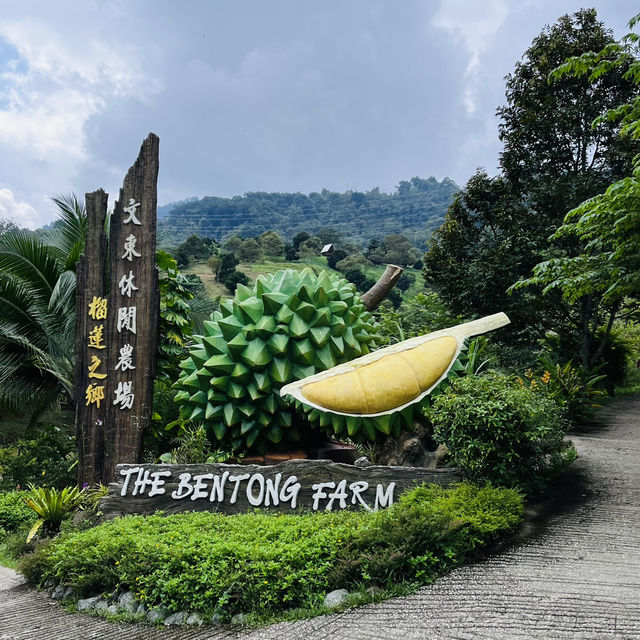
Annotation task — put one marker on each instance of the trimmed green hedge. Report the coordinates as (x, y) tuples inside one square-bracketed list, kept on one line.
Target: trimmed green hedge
[(268, 563)]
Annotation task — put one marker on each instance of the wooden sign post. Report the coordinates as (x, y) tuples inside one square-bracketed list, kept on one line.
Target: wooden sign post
[(315, 485), (116, 335)]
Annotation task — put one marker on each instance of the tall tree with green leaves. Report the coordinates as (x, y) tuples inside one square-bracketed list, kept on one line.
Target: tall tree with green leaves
[(608, 224), (499, 228)]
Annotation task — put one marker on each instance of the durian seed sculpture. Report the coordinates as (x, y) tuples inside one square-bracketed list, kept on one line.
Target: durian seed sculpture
[(391, 379)]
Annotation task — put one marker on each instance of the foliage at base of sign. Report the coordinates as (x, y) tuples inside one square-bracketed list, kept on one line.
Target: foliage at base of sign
[(288, 326), (269, 565)]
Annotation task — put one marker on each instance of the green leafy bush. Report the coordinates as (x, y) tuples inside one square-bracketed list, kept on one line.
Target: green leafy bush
[(500, 431), (569, 386), (271, 563), (14, 513), (46, 459), (428, 532)]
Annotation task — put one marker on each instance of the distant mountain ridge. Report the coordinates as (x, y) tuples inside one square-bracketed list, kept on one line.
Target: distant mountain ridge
[(416, 208)]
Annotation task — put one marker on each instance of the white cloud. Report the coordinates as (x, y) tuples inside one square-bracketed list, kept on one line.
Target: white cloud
[(49, 94), (473, 24), (23, 214)]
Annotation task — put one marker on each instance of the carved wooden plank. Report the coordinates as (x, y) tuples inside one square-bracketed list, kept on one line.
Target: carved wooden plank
[(90, 283), (318, 485), (132, 328)]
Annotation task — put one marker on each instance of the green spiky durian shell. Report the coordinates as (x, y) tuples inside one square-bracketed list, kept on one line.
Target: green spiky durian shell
[(361, 429), (288, 326)]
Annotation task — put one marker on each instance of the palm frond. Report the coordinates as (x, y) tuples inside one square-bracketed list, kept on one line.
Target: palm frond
[(70, 230)]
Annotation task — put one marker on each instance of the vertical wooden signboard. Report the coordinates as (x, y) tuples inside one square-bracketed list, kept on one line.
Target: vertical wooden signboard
[(90, 345), (114, 380)]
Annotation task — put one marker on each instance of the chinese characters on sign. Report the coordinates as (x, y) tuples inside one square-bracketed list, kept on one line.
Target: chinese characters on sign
[(126, 316), (94, 393), (117, 314)]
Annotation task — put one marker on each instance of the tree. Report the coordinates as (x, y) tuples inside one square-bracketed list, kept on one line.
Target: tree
[(399, 250), (486, 242), (299, 238), (272, 243), (175, 322), (329, 235), (228, 263), (552, 155), (335, 257), (37, 312), (353, 261), (310, 248), (607, 225), (498, 229), (195, 248), (231, 244), (234, 279), (376, 251), (249, 250)]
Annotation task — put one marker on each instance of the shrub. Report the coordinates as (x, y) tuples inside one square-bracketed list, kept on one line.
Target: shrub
[(46, 459), (14, 513), (499, 431), (52, 506), (428, 532), (268, 563), (569, 386)]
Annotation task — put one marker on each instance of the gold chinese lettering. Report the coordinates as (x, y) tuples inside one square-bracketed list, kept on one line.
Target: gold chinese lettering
[(98, 308), (95, 337), (95, 363), (94, 395)]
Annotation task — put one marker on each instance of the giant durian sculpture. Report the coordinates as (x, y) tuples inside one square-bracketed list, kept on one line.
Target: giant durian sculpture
[(288, 326), (377, 394)]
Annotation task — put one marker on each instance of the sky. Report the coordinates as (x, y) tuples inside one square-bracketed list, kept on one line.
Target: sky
[(256, 95)]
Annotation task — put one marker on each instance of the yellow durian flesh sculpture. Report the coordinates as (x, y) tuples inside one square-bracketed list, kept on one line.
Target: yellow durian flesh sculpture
[(390, 379)]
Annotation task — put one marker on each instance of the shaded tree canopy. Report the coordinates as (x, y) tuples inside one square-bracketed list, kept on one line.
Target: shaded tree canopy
[(498, 228)]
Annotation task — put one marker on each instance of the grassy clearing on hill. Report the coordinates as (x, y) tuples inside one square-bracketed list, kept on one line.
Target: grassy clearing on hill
[(267, 266)]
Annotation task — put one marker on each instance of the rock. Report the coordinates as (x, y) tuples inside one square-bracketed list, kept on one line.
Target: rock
[(141, 610), (362, 462), (176, 618), (156, 615), (58, 592), (411, 450), (113, 609), (195, 619), (335, 598), (374, 591), (49, 583), (127, 602), (88, 604), (101, 605), (239, 618), (69, 592)]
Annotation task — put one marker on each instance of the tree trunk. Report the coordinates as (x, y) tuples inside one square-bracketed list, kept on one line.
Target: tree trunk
[(380, 290)]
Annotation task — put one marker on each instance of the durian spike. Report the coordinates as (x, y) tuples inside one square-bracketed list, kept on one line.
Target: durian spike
[(392, 378)]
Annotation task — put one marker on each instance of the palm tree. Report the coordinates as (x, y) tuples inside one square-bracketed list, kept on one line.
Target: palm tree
[(37, 312)]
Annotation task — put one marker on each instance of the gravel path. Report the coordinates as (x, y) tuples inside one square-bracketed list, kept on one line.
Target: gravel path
[(575, 573)]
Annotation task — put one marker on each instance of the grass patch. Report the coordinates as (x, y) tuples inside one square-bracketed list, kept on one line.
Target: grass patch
[(274, 566), (6, 557)]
